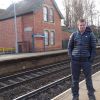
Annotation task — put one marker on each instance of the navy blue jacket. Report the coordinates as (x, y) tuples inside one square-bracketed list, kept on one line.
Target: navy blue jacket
[(82, 45)]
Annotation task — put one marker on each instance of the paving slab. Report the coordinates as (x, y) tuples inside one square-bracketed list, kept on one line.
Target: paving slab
[(66, 95)]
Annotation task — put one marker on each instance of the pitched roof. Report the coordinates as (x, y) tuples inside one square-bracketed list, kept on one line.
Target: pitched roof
[(56, 6), (1, 11), (24, 7)]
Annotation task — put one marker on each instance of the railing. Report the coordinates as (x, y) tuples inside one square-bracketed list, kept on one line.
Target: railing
[(7, 50)]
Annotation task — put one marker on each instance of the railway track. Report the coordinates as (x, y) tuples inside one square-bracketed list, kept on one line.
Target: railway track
[(15, 80), (12, 81), (47, 92), (35, 94)]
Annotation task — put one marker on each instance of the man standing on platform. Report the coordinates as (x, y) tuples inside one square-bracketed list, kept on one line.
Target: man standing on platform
[(82, 50)]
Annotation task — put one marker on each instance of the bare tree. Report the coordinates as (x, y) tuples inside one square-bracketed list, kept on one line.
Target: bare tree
[(67, 7), (73, 10), (86, 10), (76, 9), (91, 11)]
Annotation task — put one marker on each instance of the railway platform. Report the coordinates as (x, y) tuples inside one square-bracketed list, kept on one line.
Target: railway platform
[(28, 55), (83, 91), (13, 63)]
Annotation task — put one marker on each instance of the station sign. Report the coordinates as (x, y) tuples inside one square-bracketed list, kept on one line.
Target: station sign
[(28, 29), (39, 35)]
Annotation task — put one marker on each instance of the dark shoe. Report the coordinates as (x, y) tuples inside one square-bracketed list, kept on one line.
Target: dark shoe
[(92, 97), (75, 98)]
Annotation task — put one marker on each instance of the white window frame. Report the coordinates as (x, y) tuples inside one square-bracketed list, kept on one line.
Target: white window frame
[(52, 38), (51, 15), (46, 39), (45, 13)]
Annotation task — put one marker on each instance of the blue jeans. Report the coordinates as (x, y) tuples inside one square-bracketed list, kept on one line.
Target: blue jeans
[(76, 66)]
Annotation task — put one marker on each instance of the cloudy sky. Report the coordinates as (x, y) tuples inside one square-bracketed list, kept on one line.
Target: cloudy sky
[(5, 3)]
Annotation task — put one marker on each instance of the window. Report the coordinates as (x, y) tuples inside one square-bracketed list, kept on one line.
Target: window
[(52, 38), (45, 13), (51, 15), (46, 33)]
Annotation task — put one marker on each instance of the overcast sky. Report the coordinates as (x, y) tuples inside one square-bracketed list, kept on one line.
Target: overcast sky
[(5, 3)]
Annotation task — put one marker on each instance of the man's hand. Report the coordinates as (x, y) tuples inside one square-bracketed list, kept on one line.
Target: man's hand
[(91, 59)]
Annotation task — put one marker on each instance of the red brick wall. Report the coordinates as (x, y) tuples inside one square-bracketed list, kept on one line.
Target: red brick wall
[(28, 22), (7, 32), (34, 20), (40, 25)]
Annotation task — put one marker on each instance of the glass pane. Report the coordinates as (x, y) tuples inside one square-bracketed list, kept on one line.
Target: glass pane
[(51, 17), (46, 33), (52, 38), (45, 13)]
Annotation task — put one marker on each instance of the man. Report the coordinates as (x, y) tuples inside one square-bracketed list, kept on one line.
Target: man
[(82, 50)]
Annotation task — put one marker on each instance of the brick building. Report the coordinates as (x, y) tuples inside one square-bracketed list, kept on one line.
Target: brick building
[(38, 26)]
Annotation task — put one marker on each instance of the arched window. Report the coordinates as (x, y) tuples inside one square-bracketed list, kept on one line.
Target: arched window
[(46, 34), (52, 38), (51, 15), (45, 13)]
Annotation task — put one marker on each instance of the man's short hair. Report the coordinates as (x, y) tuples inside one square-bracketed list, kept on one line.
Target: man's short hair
[(81, 20)]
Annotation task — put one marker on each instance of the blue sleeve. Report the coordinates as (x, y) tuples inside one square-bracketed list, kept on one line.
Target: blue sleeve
[(93, 45), (71, 45)]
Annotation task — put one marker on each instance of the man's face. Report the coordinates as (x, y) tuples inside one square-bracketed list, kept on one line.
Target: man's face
[(81, 26)]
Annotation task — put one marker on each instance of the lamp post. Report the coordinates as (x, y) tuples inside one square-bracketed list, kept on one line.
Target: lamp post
[(15, 27), (98, 26)]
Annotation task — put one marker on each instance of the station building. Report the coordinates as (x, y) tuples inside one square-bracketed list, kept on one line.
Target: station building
[(38, 26)]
